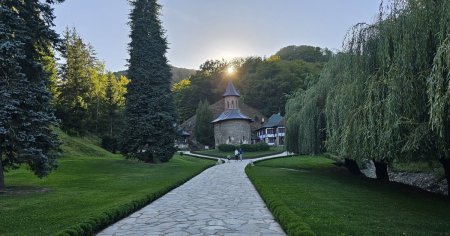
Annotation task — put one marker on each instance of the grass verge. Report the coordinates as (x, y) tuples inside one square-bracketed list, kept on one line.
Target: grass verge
[(87, 192), (308, 195), (246, 155)]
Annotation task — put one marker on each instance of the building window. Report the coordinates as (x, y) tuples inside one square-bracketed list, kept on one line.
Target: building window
[(271, 140)]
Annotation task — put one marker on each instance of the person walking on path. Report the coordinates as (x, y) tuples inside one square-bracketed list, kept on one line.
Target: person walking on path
[(236, 154), (241, 152)]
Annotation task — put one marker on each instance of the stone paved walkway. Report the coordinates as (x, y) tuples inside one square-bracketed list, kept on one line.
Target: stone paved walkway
[(219, 201)]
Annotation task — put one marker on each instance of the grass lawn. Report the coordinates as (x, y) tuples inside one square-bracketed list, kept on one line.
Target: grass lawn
[(246, 155), (309, 195), (85, 186)]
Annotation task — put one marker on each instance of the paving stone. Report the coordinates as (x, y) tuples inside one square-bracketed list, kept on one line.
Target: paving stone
[(219, 201)]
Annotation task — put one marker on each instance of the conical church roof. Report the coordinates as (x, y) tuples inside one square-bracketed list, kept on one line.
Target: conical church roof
[(231, 90), (231, 114)]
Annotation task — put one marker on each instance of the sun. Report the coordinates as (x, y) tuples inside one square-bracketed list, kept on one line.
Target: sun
[(230, 70)]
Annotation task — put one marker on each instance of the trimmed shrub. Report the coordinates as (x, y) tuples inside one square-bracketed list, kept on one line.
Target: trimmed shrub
[(262, 146), (255, 147), (226, 147), (249, 148), (245, 147)]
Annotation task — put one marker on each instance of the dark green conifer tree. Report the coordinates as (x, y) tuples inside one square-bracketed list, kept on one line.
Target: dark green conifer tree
[(26, 116), (150, 118), (204, 131)]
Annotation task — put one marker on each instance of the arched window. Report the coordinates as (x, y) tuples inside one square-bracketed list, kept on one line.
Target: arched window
[(232, 104), (228, 104)]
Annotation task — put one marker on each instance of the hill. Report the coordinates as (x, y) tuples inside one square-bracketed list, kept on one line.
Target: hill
[(81, 146), (178, 74)]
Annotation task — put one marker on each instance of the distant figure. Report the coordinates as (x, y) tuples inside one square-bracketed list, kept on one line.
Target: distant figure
[(241, 152), (236, 154)]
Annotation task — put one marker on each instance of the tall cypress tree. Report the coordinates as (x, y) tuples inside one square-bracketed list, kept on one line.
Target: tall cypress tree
[(25, 111), (204, 130), (150, 118)]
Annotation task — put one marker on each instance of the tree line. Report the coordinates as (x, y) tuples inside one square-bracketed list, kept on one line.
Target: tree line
[(386, 96), (87, 98)]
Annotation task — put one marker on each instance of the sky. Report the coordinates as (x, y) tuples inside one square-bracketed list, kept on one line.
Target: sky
[(199, 30)]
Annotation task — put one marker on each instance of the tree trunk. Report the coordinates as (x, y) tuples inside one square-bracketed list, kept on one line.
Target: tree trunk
[(446, 164), (381, 170), (352, 166), (96, 116)]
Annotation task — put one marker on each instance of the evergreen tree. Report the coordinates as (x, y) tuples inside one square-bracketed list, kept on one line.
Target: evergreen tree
[(26, 116), (184, 99), (149, 113), (81, 87), (113, 105), (204, 131)]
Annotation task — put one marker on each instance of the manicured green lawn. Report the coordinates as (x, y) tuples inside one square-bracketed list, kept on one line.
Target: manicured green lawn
[(84, 187), (311, 196), (246, 155)]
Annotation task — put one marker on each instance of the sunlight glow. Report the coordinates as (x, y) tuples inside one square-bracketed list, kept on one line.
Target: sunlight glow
[(230, 70)]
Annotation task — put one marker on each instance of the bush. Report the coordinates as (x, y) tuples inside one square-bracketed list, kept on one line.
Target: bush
[(226, 147), (245, 147), (262, 146), (109, 143), (249, 148), (255, 147)]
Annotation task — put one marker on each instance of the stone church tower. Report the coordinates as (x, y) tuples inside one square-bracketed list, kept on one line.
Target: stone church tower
[(232, 127)]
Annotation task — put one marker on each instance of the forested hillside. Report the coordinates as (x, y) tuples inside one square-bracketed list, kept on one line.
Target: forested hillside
[(264, 83), (178, 74)]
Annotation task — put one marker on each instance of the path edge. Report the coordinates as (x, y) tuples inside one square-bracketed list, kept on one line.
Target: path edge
[(94, 225)]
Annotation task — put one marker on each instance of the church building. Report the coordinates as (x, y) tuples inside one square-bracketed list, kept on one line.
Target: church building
[(231, 126)]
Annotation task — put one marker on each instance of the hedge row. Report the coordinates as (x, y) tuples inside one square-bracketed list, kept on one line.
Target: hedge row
[(107, 218), (289, 221), (245, 147)]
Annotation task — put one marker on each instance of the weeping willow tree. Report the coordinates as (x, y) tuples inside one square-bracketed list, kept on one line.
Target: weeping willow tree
[(382, 105), (305, 113), (439, 99), (377, 103)]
